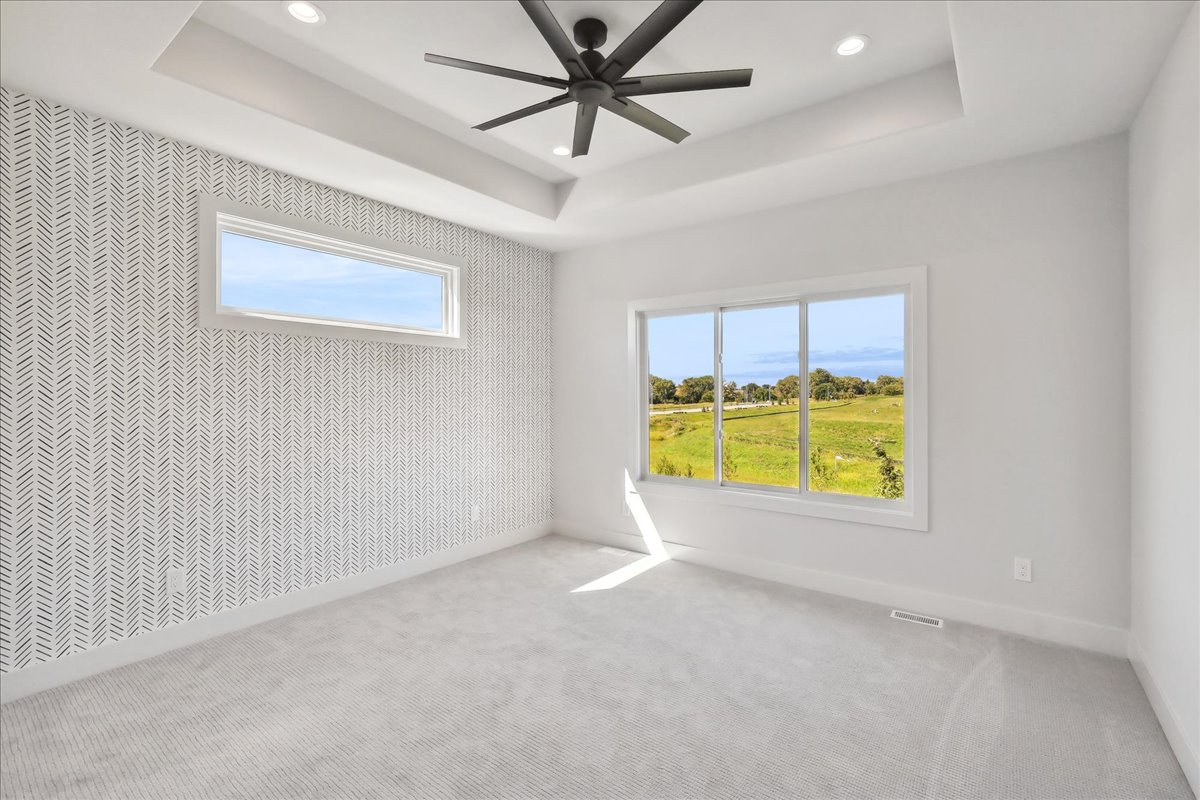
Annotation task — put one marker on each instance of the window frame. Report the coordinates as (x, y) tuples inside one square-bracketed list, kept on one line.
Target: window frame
[(909, 513), (219, 215)]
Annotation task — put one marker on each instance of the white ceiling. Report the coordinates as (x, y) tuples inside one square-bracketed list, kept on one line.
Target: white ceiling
[(388, 125), (386, 42)]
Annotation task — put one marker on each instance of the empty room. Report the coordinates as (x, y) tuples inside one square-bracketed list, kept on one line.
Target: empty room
[(599, 399)]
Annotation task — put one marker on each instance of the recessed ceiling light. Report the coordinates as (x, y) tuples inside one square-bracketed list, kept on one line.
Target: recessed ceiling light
[(562, 150), (306, 12), (852, 45)]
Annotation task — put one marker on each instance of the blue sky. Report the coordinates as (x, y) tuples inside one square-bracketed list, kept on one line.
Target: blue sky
[(269, 276), (862, 337)]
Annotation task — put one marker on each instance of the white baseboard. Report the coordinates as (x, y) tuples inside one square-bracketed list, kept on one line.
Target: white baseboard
[(1061, 630), (39, 677), (1185, 750)]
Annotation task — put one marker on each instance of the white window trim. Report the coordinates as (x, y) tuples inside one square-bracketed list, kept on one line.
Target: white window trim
[(911, 513), (219, 214)]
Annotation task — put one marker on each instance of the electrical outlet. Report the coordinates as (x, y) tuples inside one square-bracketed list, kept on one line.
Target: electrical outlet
[(476, 514), (176, 581), (1023, 569)]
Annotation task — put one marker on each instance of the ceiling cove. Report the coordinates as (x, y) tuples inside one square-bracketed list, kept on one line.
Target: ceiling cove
[(352, 103)]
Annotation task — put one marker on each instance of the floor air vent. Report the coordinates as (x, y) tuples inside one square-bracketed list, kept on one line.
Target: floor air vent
[(920, 619)]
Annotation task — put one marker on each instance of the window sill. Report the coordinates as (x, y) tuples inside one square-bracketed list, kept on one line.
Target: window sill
[(905, 517), (296, 326)]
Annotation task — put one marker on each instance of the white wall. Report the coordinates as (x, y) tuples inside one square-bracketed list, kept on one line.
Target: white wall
[(1028, 355), (1164, 206)]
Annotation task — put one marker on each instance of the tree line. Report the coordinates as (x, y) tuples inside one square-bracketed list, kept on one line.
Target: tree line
[(822, 385)]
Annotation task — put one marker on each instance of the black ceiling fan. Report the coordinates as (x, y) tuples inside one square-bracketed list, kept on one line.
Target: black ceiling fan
[(596, 82)]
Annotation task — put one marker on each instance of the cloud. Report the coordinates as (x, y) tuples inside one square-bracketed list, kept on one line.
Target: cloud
[(850, 355), (857, 355), (864, 362), (776, 357)]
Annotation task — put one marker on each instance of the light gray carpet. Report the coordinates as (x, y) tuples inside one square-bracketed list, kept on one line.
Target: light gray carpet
[(491, 679)]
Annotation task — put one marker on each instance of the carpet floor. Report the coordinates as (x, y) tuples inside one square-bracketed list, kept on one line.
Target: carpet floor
[(492, 679)]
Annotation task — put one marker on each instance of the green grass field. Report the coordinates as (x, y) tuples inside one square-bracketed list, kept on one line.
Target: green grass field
[(761, 443)]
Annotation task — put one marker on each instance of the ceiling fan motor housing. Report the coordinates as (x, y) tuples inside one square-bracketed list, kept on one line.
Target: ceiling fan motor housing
[(590, 92), (593, 59)]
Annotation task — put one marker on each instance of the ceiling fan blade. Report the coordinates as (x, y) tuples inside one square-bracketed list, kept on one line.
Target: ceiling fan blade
[(528, 111), (499, 72), (585, 123), (643, 116), (652, 30), (553, 33), (684, 82)]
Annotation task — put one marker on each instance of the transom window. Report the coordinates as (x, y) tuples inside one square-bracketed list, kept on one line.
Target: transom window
[(287, 275), (802, 392)]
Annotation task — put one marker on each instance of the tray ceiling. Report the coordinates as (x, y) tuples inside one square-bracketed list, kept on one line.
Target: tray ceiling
[(352, 104)]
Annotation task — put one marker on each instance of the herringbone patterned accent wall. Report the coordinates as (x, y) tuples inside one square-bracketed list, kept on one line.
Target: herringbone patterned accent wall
[(134, 441)]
